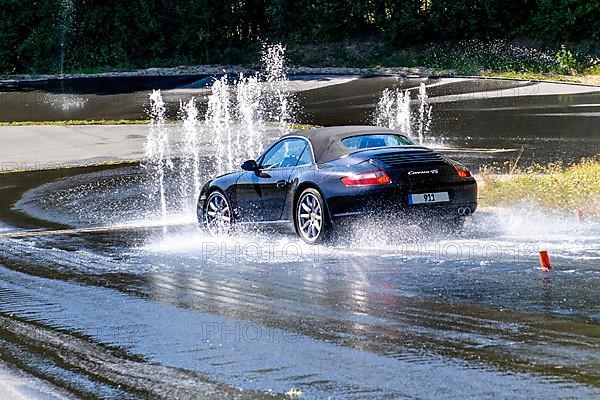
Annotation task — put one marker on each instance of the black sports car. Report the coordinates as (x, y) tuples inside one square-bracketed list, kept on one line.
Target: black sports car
[(311, 179)]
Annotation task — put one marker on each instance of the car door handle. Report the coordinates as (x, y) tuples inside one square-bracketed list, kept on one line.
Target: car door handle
[(281, 184)]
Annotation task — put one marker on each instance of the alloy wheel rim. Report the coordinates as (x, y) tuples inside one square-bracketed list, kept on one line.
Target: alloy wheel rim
[(310, 217), (218, 214)]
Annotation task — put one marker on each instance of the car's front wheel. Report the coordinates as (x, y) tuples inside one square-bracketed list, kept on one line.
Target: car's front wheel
[(217, 217), (310, 217)]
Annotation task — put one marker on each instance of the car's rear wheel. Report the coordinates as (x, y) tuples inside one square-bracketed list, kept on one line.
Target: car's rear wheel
[(310, 216), (217, 217)]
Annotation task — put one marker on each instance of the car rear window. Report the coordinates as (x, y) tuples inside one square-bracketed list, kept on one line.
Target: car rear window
[(376, 140)]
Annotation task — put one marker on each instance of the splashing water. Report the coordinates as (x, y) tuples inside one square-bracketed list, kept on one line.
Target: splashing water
[(277, 103), (250, 113), (157, 151), (64, 101), (393, 110), (237, 120), (218, 120), (190, 153), (237, 123), (424, 116), (66, 17), (273, 62)]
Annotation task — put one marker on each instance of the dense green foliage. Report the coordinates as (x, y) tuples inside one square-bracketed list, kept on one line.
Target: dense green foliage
[(121, 34)]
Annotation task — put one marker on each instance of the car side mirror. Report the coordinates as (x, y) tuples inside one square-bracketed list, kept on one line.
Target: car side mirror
[(250, 165)]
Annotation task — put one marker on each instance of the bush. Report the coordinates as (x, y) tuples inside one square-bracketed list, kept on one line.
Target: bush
[(567, 63)]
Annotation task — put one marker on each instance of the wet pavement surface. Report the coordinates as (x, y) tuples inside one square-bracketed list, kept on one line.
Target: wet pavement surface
[(115, 305), (372, 316)]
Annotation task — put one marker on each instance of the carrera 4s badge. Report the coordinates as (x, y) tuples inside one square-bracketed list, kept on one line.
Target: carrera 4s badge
[(431, 171)]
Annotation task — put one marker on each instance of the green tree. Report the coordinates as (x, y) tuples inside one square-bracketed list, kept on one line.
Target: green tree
[(29, 36), (563, 20)]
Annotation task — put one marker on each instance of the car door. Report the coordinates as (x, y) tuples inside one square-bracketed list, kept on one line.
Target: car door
[(261, 194)]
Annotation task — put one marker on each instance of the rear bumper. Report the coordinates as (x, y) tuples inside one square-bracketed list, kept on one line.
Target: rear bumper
[(393, 200)]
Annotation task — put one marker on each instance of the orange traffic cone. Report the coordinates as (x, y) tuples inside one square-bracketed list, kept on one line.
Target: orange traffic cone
[(545, 261)]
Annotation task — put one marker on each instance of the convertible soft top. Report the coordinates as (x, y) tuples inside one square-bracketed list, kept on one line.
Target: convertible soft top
[(326, 142)]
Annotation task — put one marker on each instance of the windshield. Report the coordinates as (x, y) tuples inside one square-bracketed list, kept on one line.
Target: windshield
[(376, 140)]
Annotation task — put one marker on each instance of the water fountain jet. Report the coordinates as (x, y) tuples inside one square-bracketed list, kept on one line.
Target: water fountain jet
[(277, 101), (66, 17), (190, 153), (424, 114), (236, 123), (250, 113), (157, 149), (393, 110), (218, 120)]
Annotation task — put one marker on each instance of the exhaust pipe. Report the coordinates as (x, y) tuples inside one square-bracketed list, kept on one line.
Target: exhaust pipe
[(465, 211)]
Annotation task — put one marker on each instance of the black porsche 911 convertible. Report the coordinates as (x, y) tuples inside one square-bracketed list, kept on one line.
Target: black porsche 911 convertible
[(312, 179)]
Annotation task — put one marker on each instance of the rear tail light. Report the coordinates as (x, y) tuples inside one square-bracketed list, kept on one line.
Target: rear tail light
[(462, 171), (367, 178)]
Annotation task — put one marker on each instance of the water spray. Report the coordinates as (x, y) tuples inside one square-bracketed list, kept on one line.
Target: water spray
[(66, 17), (393, 110), (236, 123), (424, 116), (190, 168), (277, 101), (157, 151), (218, 121), (250, 113), (237, 117)]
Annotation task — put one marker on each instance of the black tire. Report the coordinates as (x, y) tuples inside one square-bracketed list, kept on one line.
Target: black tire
[(311, 218), (217, 214)]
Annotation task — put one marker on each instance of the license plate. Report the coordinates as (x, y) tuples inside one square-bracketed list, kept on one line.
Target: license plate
[(420, 198)]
